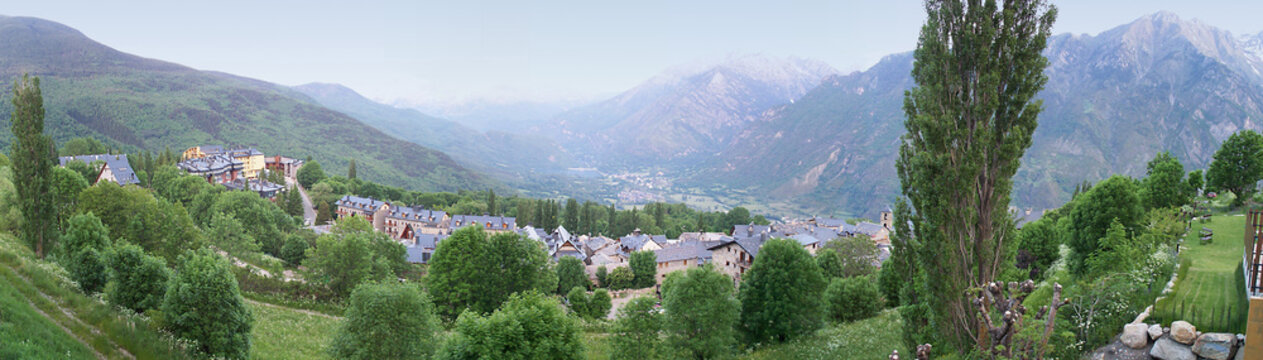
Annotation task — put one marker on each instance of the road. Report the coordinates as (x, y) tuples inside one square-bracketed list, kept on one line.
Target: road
[(309, 214)]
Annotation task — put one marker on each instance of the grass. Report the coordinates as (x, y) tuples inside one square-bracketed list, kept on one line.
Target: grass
[(284, 333), (1209, 293), (872, 338), (25, 334), (113, 334)]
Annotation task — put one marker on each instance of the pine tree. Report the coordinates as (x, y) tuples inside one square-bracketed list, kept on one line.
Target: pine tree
[(32, 156), (969, 120)]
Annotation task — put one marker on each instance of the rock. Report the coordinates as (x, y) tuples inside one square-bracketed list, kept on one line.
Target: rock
[(1155, 332), (1183, 332), (1115, 350), (1167, 349), (1215, 346), (1135, 335)]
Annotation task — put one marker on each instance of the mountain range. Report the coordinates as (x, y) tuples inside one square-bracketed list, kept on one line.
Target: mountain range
[(133, 103), (791, 131)]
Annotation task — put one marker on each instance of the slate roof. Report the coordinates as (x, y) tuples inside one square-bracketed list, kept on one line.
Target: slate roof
[(693, 250), (263, 187), (497, 222), (360, 203), (804, 239), (750, 230), (211, 149), (830, 222), (597, 242), (751, 244), (422, 247), (416, 213), (868, 228), (635, 242), (118, 164), (212, 164), (244, 152)]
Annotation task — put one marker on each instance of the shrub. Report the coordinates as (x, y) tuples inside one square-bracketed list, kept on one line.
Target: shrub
[(294, 250), (138, 281), (852, 299), (599, 304), (577, 298), (83, 245), (528, 326), (701, 312), (203, 304), (390, 320), (636, 331), (601, 277), (621, 278)]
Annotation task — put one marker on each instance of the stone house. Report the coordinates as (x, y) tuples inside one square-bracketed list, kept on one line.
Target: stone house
[(682, 257), (734, 256), (370, 209), (490, 224), (404, 222)]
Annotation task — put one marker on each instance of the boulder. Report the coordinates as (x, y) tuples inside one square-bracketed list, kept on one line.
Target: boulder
[(1183, 332), (1155, 331), (1115, 350), (1167, 349), (1215, 346), (1135, 335)]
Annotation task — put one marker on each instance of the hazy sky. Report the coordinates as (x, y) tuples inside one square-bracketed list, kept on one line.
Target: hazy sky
[(431, 51)]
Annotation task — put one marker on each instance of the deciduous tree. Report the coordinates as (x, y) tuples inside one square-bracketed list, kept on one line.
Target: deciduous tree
[(203, 304), (310, 174), (471, 271), (570, 274), (32, 155), (644, 265), (636, 333), (781, 293), (528, 326), (701, 312), (1164, 184), (1237, 166), (1114, 199), (388, 320), (83, 249), (853, 298), (969, 120), (138, 281)]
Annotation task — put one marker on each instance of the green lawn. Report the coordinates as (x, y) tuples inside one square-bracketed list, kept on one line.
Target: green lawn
[(284, 333), (1209, 292), (872, 338)]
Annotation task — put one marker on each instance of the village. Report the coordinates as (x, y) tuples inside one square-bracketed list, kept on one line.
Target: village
[(420, 230)]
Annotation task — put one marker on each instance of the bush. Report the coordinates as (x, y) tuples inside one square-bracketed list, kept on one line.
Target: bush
[(294, 250), (636, 331), (390, 320), (83, 245), (599, 304), (621, 278), (577, 298), (138, 281), (203, 304), (528, 326), (570, 274), (852, 299), (701, 312)]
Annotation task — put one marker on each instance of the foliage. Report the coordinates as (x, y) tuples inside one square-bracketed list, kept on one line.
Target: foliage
[(829, 262), (67, 184), (203, 304), (599, 304), (781, 293), (471, 271), (1114, 199), (570, 274), (263, 220), (390, 320), (1195, 182), (1114, 253), (1164, 184), (644, 265), (294, 251), (228, 234), (82, 247), (310, 174), (578, 300), (1038, 247), (138, 281), (351, 254), (32, 156), (890, 282), (636, 331), (323, 214), (855, 254), (134, 214), (528, 326), (853, 298), (621, 278), (958, 157), (701, 312), (82, 146), (602, 277), (872, 338), (1237, 165)]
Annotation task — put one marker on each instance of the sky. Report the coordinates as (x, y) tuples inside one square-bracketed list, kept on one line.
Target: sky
[(448, 52)]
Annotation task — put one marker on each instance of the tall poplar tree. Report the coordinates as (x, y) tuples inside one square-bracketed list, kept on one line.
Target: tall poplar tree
[(350, 170), (978, 66), (32, 155), (572, 215)]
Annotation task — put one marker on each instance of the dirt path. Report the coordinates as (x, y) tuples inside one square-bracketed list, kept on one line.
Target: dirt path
[(301, 311)]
